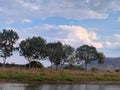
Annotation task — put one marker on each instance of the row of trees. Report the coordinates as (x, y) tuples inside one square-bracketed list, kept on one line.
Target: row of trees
[(36, 48)]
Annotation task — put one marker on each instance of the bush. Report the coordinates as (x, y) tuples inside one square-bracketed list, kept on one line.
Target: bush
[(35, 64), (94, 69), (74, 67), (117, 70), (108, 70)]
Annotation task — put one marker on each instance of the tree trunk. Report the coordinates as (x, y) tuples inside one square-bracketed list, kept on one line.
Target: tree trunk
[(56, 67), (29, 63), (62, 65), (51, 66), (4, 61), (86, 67), (36, 64)]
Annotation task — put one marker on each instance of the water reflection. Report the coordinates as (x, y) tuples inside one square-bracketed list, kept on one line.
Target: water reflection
[(11, 86)]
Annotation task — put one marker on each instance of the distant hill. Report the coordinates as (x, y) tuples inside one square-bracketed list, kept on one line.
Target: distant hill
[(109, 64)]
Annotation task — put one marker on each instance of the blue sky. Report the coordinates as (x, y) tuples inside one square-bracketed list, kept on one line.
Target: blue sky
[(74, 22)]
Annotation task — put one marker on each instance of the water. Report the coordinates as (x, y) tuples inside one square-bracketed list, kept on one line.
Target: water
[(13, 86)]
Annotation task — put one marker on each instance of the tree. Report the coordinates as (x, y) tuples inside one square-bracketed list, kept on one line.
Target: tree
[(68, 53), (87, 53), (33, 49), (55, 53), (101, 58), (7, 40)]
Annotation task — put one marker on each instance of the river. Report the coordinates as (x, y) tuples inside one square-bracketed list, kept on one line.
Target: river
[(15, 86)]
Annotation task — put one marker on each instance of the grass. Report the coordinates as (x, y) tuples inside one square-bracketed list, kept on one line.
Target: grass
[(57, 76)]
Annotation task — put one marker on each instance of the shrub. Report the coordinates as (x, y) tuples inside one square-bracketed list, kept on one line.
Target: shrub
[(94, 69), (35, 64), (74, 67), (117, 70)]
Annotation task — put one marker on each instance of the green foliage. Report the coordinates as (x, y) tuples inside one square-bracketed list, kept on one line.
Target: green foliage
[(69, 55), (33, 48), (55, 52), (68, 50), (35, 64), (101, 58), (7, 40), (88, 54), (59, 53)]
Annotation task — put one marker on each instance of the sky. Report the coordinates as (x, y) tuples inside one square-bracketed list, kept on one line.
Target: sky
[(73, 22)]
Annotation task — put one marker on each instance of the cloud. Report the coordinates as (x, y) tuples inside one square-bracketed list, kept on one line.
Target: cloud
[(79, 35), (73, 35), (16, 10), (26, 20), (27, 4), (112, 44), (117, 36), (113, 41), (118, 19)]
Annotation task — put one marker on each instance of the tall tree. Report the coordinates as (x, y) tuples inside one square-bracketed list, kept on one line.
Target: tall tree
[(68, 52), (7, 40), (101, 58), (33, 49), (55, 53), (87, 53)]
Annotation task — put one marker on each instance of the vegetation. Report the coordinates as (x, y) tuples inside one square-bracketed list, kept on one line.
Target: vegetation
[(68, 56), (55, 53), (33, 48), (35, 64), (56, 76), (59, 53), (7, 40), (88, 54), (36, 48)]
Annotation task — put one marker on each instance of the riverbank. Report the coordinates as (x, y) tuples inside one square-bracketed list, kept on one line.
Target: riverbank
[(57, 76)]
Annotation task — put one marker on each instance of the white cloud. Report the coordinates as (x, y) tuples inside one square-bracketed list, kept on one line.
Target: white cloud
[(27, 4), (112, 41), (17, 10), (26, 20), (80, 35), (73, 35), (118, 19), (112, 44), (117, 36)]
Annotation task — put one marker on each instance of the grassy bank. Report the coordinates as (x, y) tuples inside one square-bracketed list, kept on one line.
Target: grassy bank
[(57, 76)]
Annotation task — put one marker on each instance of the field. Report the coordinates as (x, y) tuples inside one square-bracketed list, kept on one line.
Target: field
[(57, 76)]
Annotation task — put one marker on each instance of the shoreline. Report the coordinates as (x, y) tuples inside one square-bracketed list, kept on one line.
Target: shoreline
[(65, 82)]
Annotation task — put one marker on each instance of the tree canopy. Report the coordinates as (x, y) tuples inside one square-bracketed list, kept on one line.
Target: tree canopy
[(36, 48), (33, 48), (88, 54), (7, 40), (55, 52)]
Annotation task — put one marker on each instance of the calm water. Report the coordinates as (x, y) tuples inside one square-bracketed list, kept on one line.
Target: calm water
[(11, 86)]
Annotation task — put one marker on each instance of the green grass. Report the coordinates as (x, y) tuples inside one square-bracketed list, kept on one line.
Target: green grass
[(56, 76)]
